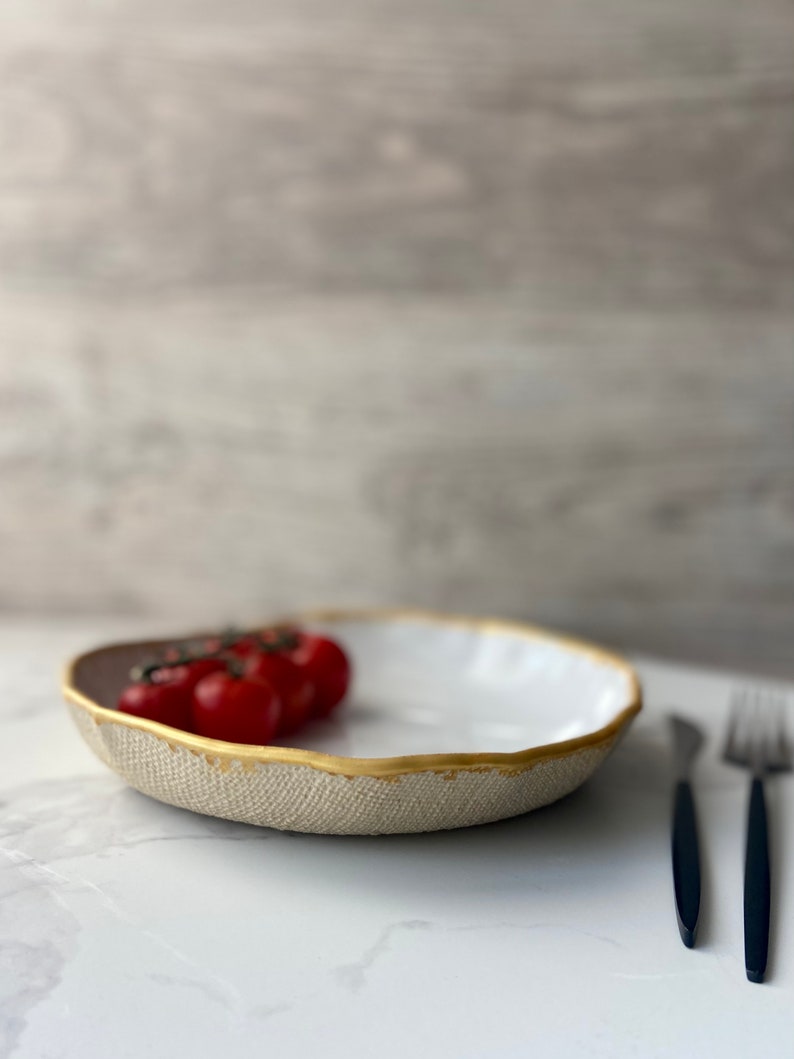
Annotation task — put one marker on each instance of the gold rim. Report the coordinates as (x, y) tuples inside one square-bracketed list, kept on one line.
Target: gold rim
[(216, 750)]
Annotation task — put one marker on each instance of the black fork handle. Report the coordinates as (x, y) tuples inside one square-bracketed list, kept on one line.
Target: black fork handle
[(757, 889)]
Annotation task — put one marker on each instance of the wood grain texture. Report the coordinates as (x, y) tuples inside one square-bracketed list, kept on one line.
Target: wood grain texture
[(477, 306)]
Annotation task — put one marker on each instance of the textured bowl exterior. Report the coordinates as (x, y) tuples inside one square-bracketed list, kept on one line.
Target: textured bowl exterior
[(298, 790)]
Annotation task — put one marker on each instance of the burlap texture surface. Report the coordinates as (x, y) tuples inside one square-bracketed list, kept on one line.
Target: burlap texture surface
[(302, 798)]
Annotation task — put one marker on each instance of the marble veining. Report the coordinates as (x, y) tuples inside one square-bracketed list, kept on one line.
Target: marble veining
[(354, 975), (38, 934)]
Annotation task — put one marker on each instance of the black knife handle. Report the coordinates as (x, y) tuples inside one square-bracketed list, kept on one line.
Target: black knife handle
[(757, 890), (686, 863)]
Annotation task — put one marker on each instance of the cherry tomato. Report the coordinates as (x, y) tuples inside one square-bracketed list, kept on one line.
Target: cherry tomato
[(186, 676), (166, 700), (328, 668), (200, 668), (235, 709), (245, 646), (291, 681)]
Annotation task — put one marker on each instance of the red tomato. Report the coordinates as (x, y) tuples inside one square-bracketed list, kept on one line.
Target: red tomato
[(200, 668), (166, 701), (235, 709), (328, 668), (245, 646), (291, 681), (188, 675)]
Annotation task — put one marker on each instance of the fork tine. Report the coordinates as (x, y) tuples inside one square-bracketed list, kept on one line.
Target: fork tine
[(758, 730), (756, 735), (731, 750), (780, 759), (783, 733)]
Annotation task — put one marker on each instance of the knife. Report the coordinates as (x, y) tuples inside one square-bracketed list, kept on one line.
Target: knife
[(687, 741)]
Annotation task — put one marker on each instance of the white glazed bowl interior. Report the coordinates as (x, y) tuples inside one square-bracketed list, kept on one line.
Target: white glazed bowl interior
[(435, 688)]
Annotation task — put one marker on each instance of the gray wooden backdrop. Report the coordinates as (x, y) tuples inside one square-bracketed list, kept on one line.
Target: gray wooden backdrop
[(476, 305)]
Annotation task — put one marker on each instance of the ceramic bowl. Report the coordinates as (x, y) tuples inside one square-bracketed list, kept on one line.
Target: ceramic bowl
[(451, 721)]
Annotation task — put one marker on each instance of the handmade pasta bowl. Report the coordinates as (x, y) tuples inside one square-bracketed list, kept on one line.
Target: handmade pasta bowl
[(451, 722)]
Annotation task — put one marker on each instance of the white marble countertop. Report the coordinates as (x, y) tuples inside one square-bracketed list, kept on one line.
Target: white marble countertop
[(129, 928)]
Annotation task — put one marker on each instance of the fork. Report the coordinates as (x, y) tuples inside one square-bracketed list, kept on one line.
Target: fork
[(756, 740)]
